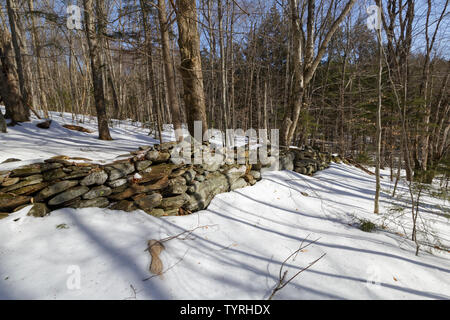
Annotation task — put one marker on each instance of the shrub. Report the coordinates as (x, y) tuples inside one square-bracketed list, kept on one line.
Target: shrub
[(367, 226), (364, 158)]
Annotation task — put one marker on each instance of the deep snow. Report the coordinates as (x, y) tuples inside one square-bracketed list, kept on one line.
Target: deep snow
[(243, 239)]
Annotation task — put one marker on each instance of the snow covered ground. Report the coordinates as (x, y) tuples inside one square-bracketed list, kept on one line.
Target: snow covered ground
[(27, 142), (240, 243), (31, 144)]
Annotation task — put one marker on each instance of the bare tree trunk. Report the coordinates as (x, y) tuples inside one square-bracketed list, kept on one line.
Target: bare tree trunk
[(378, 134), (295, 100), (266, 121), (75, 103), (212, 57), (231, 48), (37, 49), (223, 72), (2, 124), (425, 139), (15, 34), (96, 67), (115, 97), (9, 86), (303, 70), (438, 143), (398, 175), (342, 142), (191, 64), (258, 98), (110, 75), (150, 73), (249, 101), (169, 70)]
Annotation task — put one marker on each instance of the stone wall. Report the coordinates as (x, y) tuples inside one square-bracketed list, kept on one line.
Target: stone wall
[(147, 179)]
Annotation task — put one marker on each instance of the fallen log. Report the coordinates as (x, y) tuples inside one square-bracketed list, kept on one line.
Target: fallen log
[(77, 128)]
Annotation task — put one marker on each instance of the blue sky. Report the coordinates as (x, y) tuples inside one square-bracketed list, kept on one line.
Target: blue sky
[(257, 8)]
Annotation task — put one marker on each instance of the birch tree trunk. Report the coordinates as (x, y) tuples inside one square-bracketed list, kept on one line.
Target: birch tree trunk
[(378, 134), (223, 73)]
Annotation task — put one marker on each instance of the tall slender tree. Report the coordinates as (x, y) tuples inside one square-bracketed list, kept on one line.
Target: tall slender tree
[(168, 69), (379, 128), (304, 60), (96, 65)]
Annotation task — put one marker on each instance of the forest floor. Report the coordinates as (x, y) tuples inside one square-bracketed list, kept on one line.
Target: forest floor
[(237, 246)]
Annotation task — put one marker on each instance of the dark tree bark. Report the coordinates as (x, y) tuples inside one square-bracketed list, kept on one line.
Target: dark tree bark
[(191, 65), (37, 50), (168, 68), (96, 65), (22, 113), (151, 85), (2, 123), (9, 83)]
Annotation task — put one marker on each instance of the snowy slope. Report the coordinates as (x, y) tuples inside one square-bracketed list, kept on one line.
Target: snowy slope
[(31, 144), (237, 252), (27, 142)]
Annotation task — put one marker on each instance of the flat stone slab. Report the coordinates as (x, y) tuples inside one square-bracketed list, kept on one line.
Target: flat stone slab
[(174, 202), (28, 190), (9, 181), (54, 174), (157, 172), (92, 203), (55, 189), (117, 183), (100, 191), (135, 188), (68, 195), (147, 203), (26, 171), (9, 202), (98, 178), (124, 205), (119, 170)]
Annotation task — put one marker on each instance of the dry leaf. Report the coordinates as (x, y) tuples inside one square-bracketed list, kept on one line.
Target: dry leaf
[(155, 247)]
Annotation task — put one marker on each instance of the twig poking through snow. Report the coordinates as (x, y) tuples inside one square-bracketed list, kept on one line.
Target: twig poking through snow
[(134, 293), (282, 275), (188, 232)]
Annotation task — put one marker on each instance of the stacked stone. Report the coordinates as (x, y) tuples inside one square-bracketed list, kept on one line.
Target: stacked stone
[(305, 161), (147, 179), (338, 159)]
